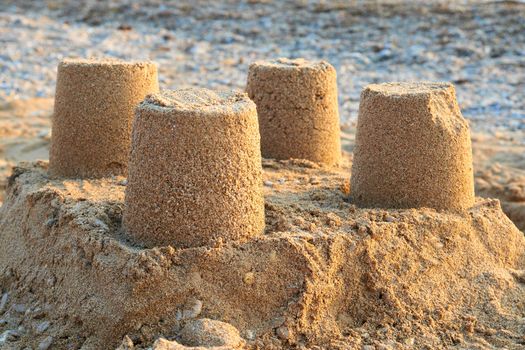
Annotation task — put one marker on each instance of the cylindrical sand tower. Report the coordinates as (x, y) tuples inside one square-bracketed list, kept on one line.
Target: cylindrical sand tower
[(195, 175), (94, 105), (412, 148), (297, 107)]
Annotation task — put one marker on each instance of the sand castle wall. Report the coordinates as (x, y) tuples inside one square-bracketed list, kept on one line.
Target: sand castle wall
[(413, 148), (63, 241), (195, 170), (297, 108), (94, 105)]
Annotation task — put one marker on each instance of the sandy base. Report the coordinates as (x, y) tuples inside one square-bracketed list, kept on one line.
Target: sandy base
[(325, 273)]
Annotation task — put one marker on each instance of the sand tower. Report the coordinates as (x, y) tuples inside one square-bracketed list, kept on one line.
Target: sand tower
[(195, 175), (94, 105), (412, 148), (297, 107)]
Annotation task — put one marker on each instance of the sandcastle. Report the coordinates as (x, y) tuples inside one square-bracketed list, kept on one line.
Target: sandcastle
[(195, 170), (181, 243), (94, 104), (297, 108), (413, 148)]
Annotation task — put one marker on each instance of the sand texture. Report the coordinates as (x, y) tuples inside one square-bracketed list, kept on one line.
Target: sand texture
[(297, 108), (413, 148), (94, 104), (499, 156), (324, 273), (371, 279), (195, 170)]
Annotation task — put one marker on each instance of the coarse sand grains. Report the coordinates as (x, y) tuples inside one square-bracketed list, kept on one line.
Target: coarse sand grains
[(94, 104), (297, 107), (195, 170), (325, 275), (413, 148)]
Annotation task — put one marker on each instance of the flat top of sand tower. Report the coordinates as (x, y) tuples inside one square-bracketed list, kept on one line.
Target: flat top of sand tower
[(288, 63), (200, 100), (409, 88), (103, 62)]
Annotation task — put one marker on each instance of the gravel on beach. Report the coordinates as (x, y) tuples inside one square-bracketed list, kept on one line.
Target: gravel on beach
[(477, 45)]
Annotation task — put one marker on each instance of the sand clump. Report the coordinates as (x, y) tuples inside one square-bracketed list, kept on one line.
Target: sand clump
[(94, 104), (413, 148), (325, 273), (195, 170), (297, 108)]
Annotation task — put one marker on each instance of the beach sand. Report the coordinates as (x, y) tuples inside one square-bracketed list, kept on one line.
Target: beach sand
[(325, 274)]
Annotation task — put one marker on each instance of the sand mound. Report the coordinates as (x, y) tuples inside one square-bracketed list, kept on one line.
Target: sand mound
[(325, 273)]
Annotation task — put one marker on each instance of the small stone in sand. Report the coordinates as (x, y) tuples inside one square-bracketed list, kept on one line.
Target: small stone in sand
[(206, 332), (46, 343)]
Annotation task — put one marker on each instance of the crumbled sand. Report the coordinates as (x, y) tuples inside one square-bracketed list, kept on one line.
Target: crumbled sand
[(195, 170), (413, 148), (325, 273), (204, 100), (297, 108), (94, 104)]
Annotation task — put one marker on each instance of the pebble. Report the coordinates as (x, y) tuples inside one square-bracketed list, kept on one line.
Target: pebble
[(41, 327), (46, 343), (126, 344), (3, 302), (249, 278), (208, 333), (283, 333), (410, 341), (20, 308), (8, 336), (389, 218), (192, 310), (268, 183), (51, 222), (250, 334), (100, 224)]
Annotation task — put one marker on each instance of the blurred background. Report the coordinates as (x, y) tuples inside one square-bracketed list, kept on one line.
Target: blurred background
[(477, 45)]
